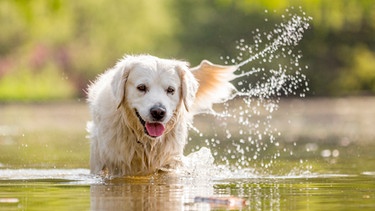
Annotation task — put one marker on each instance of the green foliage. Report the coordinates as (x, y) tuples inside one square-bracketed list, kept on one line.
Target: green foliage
[(359, 75), (46, 84), (78, 40), (337, 25), (83, 38)]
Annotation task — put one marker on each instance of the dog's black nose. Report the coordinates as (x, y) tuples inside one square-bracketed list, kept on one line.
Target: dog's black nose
[(158, 112)]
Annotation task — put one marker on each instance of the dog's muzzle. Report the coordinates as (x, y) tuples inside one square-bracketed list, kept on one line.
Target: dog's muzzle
[(158, 112), (155, 128)]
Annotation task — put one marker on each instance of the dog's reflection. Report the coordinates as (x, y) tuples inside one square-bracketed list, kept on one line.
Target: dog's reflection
[(144, 193)]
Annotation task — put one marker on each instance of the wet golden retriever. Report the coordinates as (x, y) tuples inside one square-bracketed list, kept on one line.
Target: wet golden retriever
[(141, 109)]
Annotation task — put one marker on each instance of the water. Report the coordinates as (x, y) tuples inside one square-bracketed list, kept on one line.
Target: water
[(75, 189), (46, 190), (333, 137), (275, 154), (268, 67)]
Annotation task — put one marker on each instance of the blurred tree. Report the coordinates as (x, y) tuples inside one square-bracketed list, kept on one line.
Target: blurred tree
[(214, 25), (358, 77), (79, 39), (210, 28)]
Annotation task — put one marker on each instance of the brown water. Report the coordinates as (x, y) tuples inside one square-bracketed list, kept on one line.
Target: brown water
[(44, 164)]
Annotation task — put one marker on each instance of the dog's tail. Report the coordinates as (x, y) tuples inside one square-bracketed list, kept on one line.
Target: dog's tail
[(214, 85)]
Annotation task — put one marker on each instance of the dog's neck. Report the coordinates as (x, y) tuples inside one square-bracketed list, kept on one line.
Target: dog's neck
[(140, 143)]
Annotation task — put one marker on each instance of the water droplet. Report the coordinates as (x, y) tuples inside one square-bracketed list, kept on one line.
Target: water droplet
[(275, 71), (335, 153), (325, 153)]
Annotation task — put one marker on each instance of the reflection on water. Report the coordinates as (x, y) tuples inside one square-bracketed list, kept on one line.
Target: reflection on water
[(345, 183), (156, 193), (71, 189), (43, 164)]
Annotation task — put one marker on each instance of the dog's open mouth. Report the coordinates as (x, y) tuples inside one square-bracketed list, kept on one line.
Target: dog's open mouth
[(153, 129)]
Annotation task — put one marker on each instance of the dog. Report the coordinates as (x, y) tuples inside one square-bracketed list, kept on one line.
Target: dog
[(142, 107)]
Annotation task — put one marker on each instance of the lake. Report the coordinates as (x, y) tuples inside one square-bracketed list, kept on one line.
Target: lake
[(325, 161)]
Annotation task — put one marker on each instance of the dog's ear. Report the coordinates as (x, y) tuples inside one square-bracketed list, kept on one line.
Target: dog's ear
[(119, 79), (189, 85)]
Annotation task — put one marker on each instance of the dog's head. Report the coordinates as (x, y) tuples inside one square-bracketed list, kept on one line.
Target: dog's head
[(153, 90)]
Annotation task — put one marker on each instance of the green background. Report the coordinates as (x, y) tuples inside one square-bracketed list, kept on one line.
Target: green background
[(53, 49)]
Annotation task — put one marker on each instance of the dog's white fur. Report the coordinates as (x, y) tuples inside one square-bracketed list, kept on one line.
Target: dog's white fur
[(120, 144)]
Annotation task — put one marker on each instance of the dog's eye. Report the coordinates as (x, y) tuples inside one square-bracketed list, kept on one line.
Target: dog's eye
[(170, 90), (142, 88)]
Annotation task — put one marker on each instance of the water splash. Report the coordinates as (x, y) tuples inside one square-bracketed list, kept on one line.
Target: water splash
[(241, 133), (66, 176)]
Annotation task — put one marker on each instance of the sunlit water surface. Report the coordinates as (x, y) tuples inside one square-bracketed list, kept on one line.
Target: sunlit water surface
[(76, 189)]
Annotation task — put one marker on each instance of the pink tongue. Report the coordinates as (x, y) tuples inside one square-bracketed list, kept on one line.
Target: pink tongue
[(155, 129)]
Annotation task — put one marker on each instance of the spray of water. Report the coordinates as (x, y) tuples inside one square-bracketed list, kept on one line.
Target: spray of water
[(269, 67)]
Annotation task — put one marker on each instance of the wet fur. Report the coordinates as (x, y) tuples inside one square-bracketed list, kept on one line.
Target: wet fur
[(119, 145)]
